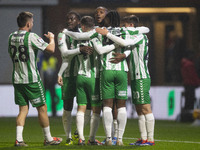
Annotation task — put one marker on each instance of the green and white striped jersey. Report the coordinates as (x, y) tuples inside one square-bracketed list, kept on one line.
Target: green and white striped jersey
[(125, 33), (88, 64), (23, 49), (66, 43), (139, 60), (139, 50), (105, 64)]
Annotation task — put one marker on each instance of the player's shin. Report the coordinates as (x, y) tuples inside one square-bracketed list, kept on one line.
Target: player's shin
[(94, 124), (108, 119), (80, 124), (122, 119), (142, 127), (66, 119), (150, 122)]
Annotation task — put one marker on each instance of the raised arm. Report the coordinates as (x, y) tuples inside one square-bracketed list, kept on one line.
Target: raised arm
[(51, 47), (78, 35), (118, 40), (127, 42), (141, 30), (102, 49)]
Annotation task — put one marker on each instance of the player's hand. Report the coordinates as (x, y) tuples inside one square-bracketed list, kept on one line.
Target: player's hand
[(101, 31), (60, 81), (86, 50), (49, 35), (118, 57)]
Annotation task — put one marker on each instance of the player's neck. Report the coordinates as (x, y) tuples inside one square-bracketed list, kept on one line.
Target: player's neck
[(101, 24), (24, 29), (74, 29)]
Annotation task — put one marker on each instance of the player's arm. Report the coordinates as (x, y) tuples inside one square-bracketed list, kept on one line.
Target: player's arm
[(143, 30), (51, 47), (38, 43), (140, 30), (98, 46), (118, 57), (62, 69), (127, 42), (62, 45), (79, 35), (135, 38)]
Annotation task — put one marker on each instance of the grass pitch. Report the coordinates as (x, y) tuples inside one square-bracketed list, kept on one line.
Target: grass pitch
[(169, 135)]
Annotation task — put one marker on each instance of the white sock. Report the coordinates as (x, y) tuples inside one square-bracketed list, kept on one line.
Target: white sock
[(122, 119), (115, 126), (66, 119), (103, 123), (80, 124), (150, 122), (108, 120), (94, 124), (47, 134), (142, 127), (87, 116), (19, 132)]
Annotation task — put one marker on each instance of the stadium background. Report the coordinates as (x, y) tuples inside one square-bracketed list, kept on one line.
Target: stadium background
[(162, 17)]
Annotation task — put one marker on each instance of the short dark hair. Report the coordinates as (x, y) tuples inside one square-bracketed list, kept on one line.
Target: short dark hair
[(131, 19), (87, 21), (75, 13), (23, 17)]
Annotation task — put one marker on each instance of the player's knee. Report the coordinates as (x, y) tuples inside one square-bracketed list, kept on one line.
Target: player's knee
[(108, 103), (42, 109), (121, 103), (68, 105)]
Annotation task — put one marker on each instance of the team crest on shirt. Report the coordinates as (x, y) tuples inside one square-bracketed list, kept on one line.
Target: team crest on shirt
[(40, 40), (60, 42)]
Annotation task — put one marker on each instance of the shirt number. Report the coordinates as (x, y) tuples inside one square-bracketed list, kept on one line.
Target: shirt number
[(19, 54)]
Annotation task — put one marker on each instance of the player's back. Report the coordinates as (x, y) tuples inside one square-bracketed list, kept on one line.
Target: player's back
[(23, 48), (106, 64), (139, 60), (88, 64)]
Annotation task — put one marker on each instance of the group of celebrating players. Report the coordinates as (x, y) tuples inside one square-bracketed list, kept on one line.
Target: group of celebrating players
[(94, 69)]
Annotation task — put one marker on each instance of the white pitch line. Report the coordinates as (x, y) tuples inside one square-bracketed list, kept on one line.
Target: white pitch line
[(171, 141)]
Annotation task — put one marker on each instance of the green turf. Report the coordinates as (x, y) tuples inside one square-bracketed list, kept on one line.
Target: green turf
[(169, 135)]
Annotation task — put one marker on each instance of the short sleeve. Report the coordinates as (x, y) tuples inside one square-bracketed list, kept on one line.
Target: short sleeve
[(37, 42)]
